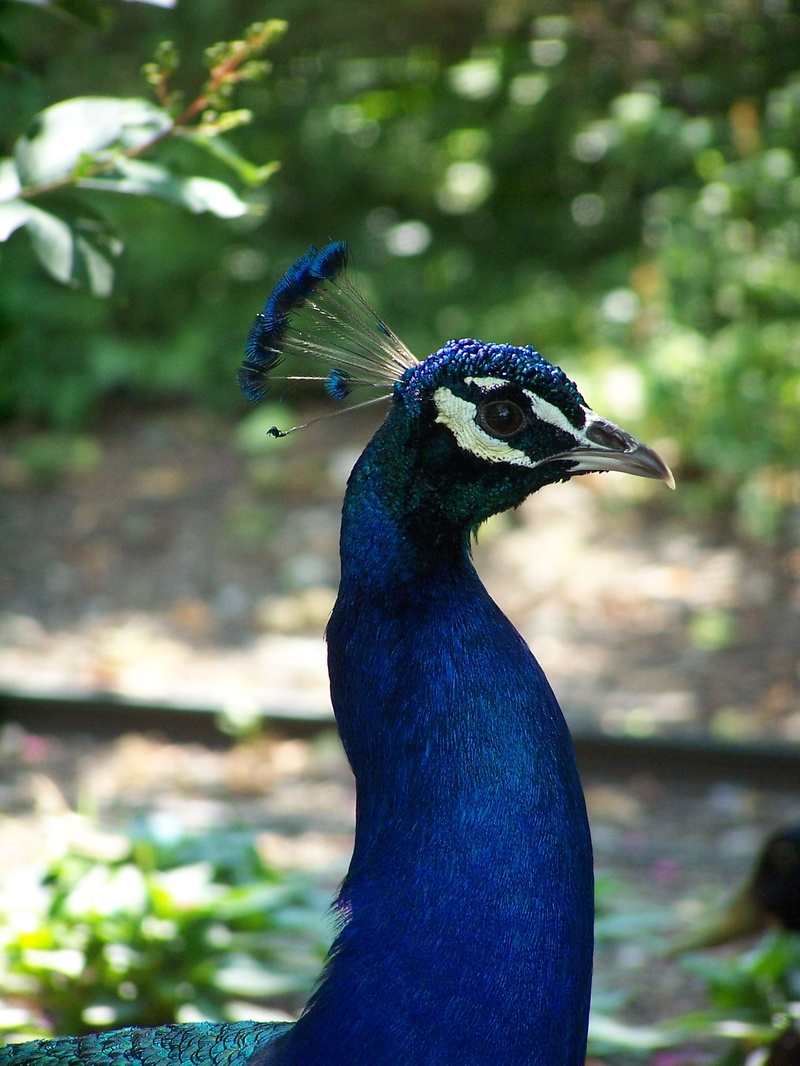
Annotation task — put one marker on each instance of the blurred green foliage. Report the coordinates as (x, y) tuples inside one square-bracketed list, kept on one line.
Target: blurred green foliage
[(147, 932), (753, 995), (742, 1001), (616, 183)]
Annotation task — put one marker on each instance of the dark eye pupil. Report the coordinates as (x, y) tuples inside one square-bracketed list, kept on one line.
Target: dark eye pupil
[(501, 418)]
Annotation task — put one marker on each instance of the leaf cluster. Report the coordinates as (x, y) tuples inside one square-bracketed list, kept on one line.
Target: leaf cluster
[(747, 999), (148, 933), (97, 144)]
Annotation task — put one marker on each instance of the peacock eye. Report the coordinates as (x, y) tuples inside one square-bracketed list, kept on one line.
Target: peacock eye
[(501, 418)]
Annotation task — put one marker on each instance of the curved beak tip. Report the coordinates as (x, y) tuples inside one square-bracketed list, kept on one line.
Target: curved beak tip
[(650, 464), (643, 461), (608, 447)]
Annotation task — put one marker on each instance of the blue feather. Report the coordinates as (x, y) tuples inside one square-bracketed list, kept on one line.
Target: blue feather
[(264, 342), (338, 384), (340, 330)]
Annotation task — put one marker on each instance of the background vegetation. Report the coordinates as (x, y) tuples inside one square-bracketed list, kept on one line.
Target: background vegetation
[(616, 183)]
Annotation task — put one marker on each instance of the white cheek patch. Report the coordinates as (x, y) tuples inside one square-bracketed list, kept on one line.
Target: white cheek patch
[(459, 417)]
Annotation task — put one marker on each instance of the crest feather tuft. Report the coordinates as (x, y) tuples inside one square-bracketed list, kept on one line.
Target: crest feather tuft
[(316, 313)]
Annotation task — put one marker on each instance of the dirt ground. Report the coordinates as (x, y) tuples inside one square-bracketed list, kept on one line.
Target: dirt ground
[(173, 557), (180, 557)]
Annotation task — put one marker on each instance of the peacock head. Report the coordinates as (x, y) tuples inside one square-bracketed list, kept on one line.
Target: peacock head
[(491, 422), (505, 405)]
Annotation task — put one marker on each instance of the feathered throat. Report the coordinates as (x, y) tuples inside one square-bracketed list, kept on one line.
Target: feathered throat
[(316, 313)]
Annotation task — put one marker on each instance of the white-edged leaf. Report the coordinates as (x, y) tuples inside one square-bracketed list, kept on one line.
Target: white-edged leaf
[(606, 1031), (10, 186), (94, 257), (206, 194), (78, 254), (13, 214), (242, 975), (222, 150), (52, 241), (63, 136), (138, 178)]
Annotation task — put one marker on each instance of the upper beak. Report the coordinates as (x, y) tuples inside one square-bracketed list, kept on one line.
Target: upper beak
[(608, 447)]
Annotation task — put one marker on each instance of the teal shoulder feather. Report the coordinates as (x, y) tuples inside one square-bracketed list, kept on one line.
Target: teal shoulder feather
[(198, 1044)]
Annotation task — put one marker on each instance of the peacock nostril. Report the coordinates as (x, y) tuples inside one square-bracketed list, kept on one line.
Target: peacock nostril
[(608, 435)]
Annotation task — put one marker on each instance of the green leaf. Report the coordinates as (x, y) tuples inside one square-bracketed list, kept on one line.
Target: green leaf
[(89, 12), (51, 237), (86, 11), (253, 899), (222, 150), (10, 186), (92, 267), (138, 178), (8, 53), (13, 215), (84, 129), (242, 975), (608, 1032), (77, 254)]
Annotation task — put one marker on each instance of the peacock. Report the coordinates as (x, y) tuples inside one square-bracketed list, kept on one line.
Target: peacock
[(465, 920), (770, 897)]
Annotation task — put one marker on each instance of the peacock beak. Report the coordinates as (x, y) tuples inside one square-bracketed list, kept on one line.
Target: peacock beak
[(605, 446)]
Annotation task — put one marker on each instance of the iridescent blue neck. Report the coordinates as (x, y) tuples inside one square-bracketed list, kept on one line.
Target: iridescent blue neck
[(467, 908)]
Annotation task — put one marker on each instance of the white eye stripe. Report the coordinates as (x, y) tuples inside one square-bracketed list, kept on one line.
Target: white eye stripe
[(459, 415), (547, 412), (486, 383)]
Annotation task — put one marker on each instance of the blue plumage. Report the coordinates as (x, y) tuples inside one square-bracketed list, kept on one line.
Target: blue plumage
[(345, 334), (467, 907), (338, 384), (466, 914), (263, 348)]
